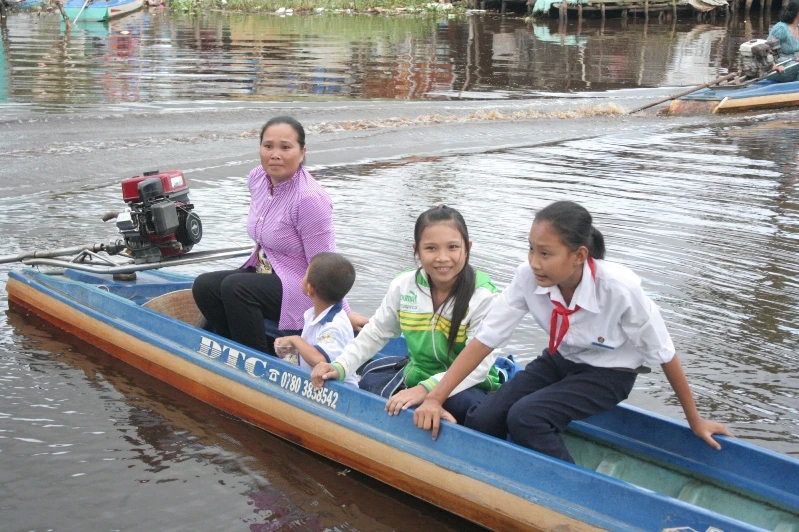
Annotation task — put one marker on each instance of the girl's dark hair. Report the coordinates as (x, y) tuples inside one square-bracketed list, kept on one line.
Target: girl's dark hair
[(463, 289), (289, 121), (574, 225), (789, 12)]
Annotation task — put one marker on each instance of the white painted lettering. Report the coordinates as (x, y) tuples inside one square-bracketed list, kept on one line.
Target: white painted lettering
[(210, 348), (233, 357), (255, 366)]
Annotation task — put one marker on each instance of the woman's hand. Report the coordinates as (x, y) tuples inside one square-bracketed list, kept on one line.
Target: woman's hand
[(357, 321), (778, 68), (704, 428), (322, 372), (429, 416), (405, 399)]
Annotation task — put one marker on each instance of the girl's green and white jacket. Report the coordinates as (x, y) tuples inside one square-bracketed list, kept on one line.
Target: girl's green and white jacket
[(408, 309)]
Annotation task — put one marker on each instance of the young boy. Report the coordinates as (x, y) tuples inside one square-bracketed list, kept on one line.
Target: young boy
[(327, 329)]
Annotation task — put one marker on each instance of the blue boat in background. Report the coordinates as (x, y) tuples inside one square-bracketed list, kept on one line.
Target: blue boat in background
[(635, 470), (99, 10), (86, 10), (763, 94)]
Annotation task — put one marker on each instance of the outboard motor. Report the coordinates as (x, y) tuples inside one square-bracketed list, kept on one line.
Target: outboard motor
[(159, 221), (757, 56)]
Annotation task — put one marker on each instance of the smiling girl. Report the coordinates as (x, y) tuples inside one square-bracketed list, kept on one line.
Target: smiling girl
[(438, 308), (603, 331)]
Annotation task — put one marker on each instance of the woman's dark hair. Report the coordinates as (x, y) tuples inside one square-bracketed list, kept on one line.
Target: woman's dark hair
[(289, 121), (463, 289), (574, 225), (789, 12)]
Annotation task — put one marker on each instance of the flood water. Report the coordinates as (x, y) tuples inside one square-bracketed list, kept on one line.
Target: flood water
[(156, 56), (707, 213)]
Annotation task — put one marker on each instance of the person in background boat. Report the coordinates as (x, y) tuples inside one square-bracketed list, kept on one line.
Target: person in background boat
[(786, 31), (290, 220), (438, 308), (327, 329), (602, 330)]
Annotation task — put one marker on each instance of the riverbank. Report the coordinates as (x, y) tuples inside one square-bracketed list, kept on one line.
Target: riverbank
[(290, 7)]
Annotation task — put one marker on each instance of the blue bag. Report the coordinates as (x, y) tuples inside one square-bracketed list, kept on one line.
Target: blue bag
[(506, 367), (383, 376)]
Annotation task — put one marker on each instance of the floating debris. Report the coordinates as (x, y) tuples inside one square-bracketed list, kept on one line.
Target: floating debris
[(481, 115)]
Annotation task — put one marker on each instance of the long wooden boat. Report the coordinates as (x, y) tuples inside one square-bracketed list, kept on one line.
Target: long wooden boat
[(99, 10), (635, 470), (764, 94)]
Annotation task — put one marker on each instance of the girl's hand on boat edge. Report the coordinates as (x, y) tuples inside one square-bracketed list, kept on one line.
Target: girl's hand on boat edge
[(405, 399), (322, 372), (429, 415), (705, 429)]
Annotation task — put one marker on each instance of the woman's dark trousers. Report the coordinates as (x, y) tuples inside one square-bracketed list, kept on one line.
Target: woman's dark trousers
[(236, 302)]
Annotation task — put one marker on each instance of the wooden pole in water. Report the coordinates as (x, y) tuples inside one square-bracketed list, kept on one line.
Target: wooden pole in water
[(684, 93), (68, 22)]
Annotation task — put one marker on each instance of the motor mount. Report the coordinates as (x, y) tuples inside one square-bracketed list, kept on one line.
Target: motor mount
[(757, 56), (159, 221)]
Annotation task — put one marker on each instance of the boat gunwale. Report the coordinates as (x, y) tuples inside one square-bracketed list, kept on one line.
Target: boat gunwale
[(439, 457), (706, 463)]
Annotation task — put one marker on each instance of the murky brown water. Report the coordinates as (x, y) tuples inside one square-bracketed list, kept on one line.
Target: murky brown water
[(707, 214), (156, 56)]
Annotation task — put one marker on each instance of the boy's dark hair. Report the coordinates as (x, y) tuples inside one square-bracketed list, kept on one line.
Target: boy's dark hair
[(288, 121), (789, 12), (574, 225), (463, 289), (331, 275)]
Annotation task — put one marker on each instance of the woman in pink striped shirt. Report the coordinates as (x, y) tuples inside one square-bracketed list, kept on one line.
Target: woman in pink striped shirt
[(290, 220)]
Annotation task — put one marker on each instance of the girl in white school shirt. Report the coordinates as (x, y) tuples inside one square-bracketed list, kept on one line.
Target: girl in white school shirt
[(603, 331)]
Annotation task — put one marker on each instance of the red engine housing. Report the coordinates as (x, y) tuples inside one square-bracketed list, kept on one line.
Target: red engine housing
[(172, 180), (159, 221)]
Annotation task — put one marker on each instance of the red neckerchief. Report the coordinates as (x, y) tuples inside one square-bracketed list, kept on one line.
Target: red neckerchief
[(556, 336)]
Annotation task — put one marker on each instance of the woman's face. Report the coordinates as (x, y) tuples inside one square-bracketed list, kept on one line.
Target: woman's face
[(281, 153)]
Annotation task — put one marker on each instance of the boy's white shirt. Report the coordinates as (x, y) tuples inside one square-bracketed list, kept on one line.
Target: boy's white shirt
[(617, 325), (385, 325), (328, 334)]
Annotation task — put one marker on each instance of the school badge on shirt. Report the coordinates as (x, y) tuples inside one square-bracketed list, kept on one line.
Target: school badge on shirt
[(600, 342), (325, 338)]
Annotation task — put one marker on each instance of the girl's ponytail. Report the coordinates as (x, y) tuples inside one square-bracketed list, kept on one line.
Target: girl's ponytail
[(596, 244), (462, 293)]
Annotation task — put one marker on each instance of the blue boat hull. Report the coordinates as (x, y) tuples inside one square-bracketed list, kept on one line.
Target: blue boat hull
[(765, 94), (489, 481), (100, 10)]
